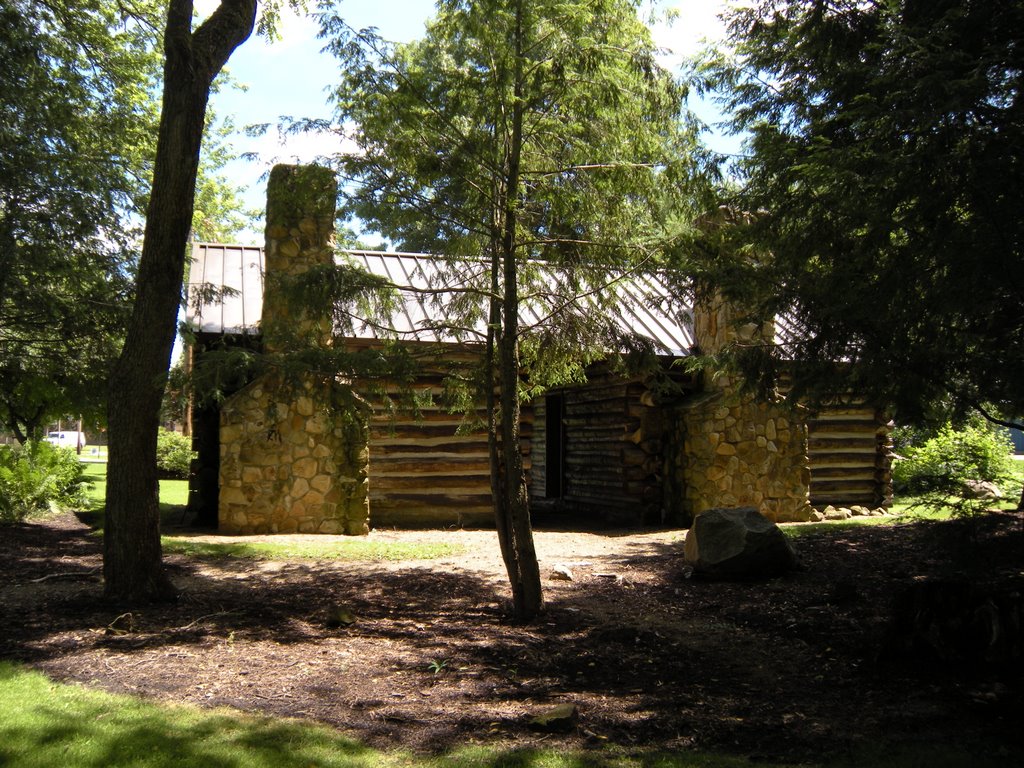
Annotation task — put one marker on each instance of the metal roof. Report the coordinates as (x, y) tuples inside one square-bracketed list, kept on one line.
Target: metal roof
[(236, 270), (431, 290)]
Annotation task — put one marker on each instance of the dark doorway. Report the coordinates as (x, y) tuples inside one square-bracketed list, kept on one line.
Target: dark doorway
[(554, 449)]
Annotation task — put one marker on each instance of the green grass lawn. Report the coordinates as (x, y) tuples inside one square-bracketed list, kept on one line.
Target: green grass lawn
[(174, 497), (96, 476), (926, 509), (321, 548), (173, 493), (45, 724)]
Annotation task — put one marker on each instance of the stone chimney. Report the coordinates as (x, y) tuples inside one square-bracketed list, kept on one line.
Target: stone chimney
[(715, 328), (289, 460), (299, 236), (735, 450)]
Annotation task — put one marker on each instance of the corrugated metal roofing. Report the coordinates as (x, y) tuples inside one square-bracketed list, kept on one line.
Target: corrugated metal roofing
[(237, 270), (430, 288)]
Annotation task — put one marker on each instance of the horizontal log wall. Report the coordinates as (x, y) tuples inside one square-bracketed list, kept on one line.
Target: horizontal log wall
[(423, 471), (849, 451), (596, 423)]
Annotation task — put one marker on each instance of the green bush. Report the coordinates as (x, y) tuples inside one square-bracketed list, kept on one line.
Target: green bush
[(174, 454), (905, 437), (38, 477), (945, 462)]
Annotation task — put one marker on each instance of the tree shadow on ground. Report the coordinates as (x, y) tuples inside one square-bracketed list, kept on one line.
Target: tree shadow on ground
[(785, 669)]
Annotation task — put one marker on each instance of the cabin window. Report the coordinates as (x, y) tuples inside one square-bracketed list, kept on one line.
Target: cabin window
[(554, 449)]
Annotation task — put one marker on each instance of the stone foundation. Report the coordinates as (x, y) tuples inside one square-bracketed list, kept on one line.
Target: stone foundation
[(730, 450), (735, 452), (289, 465)]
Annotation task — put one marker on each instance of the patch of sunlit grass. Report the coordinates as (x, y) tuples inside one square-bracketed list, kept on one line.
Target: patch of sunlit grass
[(319, 548), (173, 496)]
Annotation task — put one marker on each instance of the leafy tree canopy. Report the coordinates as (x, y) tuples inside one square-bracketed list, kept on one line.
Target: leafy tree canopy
[(882, 188), (76, 122)]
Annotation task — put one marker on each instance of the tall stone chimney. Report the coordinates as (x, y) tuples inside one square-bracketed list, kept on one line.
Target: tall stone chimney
[(289, 460), (735, 450), (299, 236)]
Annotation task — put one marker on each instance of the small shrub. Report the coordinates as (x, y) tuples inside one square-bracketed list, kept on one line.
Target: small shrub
[(38, 477), (945, 462), (174, 454), (905, 437)]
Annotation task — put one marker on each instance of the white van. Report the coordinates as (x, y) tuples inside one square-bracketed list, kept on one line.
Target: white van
[(71, 440)]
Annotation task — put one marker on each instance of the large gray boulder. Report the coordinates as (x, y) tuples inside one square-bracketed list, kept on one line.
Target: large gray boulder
[(737, 544), (981, 489)]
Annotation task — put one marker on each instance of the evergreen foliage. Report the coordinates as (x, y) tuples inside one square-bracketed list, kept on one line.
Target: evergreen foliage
[(539, 147), (883, 187)]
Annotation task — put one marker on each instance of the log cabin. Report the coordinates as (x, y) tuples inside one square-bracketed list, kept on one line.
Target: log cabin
[(643, 447)]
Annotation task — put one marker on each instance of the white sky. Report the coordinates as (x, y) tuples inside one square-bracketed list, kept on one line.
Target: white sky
[(291, 76)]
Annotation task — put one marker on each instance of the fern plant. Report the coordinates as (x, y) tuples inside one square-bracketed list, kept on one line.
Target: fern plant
[(38, 477)]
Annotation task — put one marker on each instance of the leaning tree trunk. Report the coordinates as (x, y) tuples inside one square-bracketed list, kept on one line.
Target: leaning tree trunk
[(132, 560), (521, 555), (508, 486)]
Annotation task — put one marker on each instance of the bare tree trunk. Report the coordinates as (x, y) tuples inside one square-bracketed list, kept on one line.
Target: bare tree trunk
[(502, 520), (524, 572), (132, 559)]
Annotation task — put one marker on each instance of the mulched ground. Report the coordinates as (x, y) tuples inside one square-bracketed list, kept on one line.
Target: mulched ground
[(793, 668)]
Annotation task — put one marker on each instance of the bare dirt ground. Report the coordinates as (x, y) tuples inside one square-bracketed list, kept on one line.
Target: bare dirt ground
[(794, 668)]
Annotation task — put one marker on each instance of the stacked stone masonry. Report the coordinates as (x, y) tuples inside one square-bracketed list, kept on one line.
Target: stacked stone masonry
[(733, 451), (737, 452), (289, 465)]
